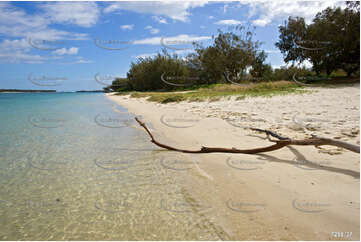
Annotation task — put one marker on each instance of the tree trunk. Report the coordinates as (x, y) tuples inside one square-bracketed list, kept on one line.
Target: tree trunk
[(278, 144), (349, 73)]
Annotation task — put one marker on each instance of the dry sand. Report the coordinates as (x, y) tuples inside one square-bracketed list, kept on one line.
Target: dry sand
[(296, 193)]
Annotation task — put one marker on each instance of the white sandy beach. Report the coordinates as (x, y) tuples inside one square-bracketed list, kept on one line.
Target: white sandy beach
[(270, 196)]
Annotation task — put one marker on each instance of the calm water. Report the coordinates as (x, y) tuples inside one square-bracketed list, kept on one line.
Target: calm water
[(73, 167)]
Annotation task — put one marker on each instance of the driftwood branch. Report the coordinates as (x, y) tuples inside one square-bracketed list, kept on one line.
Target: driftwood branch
[(279, 143)]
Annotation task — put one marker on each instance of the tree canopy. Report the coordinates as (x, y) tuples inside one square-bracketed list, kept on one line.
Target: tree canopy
[(330, 42)]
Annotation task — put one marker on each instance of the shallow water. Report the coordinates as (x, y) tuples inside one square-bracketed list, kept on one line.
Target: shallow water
[(73, 167)]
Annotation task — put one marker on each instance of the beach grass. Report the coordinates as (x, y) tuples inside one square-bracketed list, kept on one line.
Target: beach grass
[(216, 92)]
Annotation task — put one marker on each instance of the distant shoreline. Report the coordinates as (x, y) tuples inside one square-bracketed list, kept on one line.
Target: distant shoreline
[(52, 91), (22, 90)]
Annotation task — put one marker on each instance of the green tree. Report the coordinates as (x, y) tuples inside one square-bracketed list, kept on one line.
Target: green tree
[(145, 74), (121, 84), (260, 69), (294, 31), (231, 53), (341, 27), (330, 42)]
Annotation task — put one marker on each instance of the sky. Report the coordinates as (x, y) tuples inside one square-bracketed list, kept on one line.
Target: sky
[(68, 46)]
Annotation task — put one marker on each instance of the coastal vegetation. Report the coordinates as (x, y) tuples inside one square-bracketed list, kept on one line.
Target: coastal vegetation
[(234, 64), (215, 92)]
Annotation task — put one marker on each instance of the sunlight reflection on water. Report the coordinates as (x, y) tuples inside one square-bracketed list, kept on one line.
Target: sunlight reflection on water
[(85, 181)]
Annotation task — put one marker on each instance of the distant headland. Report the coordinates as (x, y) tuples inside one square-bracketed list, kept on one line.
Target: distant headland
[(91, 91)]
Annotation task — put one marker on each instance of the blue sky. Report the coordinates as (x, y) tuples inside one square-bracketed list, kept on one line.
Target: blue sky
[(70, 46)]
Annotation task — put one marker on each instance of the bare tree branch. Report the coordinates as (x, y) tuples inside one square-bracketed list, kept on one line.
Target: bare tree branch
[(270, 133), (280, 143)]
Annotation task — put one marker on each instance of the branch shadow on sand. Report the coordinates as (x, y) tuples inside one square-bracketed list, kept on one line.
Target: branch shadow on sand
[(310, 164)]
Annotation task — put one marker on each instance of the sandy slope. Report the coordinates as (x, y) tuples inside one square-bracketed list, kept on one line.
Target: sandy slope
[(272, 196)]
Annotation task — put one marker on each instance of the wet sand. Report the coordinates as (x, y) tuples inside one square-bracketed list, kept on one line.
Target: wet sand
[(296, 193)]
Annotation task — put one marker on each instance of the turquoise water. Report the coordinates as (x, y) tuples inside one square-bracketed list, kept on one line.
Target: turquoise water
[(74, 167)]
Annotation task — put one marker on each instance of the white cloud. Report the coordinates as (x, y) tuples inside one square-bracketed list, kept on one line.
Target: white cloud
[(17, 44), (127, 27), (269, 11), (28, 28), (21, 57), (79, 60), (84, 14), (178, 52), (159, 19), (65, 51), (83, 61), (261, 22), (17, 51), (146, 55), (15, 22), (174, 10), (228, 22), (148, 41), (183, 38), (211, 17), (152, 30)]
